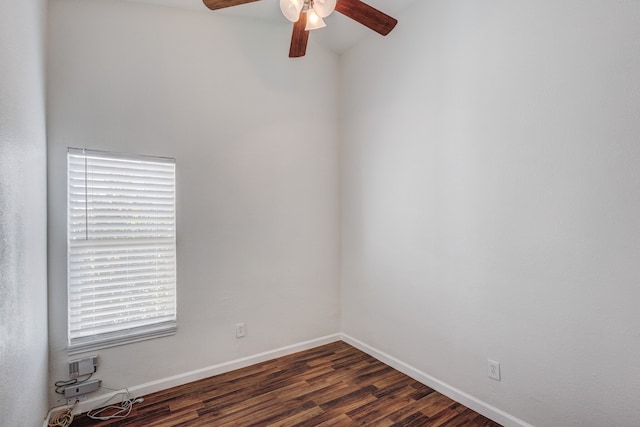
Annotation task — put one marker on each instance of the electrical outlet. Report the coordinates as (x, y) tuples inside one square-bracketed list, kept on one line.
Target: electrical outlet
[(241, 330), (494, 370), (80, 398)]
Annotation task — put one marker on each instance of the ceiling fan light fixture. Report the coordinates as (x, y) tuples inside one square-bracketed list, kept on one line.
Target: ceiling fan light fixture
[(307, 15), (291, 9), (314, 21), (324, 8)]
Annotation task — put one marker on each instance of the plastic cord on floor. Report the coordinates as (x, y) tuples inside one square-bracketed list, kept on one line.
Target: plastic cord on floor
[(63, 417)]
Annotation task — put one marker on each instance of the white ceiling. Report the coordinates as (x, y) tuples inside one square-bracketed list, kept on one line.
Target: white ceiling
[(340, 34)]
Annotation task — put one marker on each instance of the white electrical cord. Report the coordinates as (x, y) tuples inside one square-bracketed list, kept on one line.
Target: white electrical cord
[(63, 417), (122, 410)]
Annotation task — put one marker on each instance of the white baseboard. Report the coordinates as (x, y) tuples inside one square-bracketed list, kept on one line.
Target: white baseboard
[(459, 396), (467, 400), (199, 374)]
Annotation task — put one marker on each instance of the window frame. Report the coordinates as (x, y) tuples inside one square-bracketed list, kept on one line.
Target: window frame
[(130, 236)]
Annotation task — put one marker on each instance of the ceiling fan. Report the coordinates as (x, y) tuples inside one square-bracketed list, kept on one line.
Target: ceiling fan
[(307, 15)]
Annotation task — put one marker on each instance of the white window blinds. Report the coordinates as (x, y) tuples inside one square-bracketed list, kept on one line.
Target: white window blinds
[(121, 248)]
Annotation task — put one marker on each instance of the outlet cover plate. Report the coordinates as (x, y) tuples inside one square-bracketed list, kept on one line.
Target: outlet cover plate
[(80, 398), (494, 370), (241, 330)]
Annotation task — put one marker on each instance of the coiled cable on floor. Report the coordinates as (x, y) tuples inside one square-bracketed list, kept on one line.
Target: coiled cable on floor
[(63, 417), (121, 410)]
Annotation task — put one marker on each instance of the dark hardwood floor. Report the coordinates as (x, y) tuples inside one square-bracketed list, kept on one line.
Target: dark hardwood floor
[(332, 385)]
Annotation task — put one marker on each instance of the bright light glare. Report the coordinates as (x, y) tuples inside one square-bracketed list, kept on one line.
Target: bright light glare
[(312, 18), (314, 21)]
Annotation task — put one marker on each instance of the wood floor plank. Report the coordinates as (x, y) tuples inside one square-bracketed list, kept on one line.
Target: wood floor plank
[(333, 385), (340, 421), (412, 410), (381, 406), (298, 418)]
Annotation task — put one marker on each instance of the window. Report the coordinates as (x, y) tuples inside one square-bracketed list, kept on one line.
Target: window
[(121, 262)]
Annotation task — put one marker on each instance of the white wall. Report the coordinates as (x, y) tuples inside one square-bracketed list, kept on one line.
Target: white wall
[(491, 170), (257, 171), (23, 220)]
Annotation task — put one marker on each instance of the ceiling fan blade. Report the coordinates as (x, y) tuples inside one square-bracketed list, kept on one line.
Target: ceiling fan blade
[(299, 37), (366, 15), (221, 4)]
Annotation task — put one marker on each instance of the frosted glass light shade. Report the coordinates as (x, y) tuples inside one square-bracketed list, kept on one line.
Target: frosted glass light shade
[(324, 8), (291, 9), (314, 21)]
